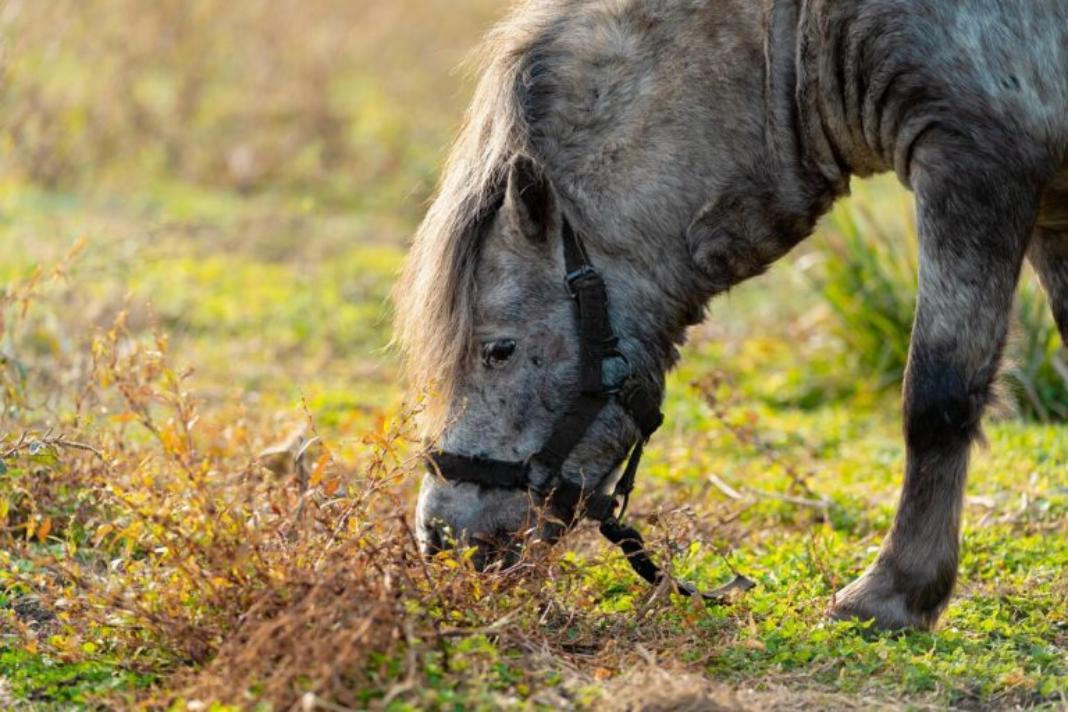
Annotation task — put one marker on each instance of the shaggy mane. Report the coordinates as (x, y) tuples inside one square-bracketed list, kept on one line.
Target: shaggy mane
[(435, 295)]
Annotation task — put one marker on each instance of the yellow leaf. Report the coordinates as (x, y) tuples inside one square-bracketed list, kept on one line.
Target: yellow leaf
[(317, 472), (102, 532), (44, 529), (330, 486), (172, 441)]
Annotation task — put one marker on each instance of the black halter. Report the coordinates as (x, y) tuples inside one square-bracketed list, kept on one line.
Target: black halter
[(598, 344)]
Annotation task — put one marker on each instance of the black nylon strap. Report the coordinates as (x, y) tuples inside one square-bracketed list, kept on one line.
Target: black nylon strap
[(643, 406), (570, 429), (630, 541), (575, 257), (626, 481), (596, 342), (595, 333), (493, 474), (596, 339)]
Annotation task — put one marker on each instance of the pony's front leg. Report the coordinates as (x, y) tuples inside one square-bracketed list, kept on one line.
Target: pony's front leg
[(975, 221)]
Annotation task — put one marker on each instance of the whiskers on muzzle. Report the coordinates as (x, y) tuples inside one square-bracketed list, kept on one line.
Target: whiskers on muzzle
[(490, 552), (497, 552)]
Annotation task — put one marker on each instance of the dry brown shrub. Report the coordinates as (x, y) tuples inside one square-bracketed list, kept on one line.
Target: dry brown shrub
[(173, 546), (167, 532)]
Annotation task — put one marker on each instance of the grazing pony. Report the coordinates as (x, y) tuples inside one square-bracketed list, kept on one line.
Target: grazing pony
[(657, 152)]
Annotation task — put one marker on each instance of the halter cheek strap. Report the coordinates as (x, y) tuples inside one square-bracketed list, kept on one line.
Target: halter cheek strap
[(597, 344)]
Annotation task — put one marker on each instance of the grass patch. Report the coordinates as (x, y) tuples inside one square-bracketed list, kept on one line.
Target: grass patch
[(51, 684), (173, 547)]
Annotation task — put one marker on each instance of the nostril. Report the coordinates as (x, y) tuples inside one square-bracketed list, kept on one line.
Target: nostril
[(512, 556), (497, 551), (485, 551), (484, 539)]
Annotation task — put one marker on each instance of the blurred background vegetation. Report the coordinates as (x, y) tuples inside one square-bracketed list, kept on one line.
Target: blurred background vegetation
[(347, 102), (243, 175), (284, 151)]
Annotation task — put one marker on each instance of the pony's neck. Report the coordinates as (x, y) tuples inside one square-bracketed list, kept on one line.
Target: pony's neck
[(808, 162), (781, 183)]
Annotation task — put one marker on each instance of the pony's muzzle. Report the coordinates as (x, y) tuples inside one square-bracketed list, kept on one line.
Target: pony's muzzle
[(495, 552), (431, 540), (492, 552)]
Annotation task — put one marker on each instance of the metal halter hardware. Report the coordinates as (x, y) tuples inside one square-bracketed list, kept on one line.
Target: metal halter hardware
[(598, 344)]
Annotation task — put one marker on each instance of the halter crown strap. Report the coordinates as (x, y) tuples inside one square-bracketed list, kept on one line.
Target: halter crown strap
[(597, 343)]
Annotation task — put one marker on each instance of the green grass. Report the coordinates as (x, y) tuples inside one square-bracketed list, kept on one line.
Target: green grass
[(46, 683), (997, 639), (758, 403)]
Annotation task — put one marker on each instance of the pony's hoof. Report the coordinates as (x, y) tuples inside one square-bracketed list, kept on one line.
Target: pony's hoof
[(872, 598)]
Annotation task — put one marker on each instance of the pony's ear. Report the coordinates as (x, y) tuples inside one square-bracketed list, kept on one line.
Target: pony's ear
[(529, 199)]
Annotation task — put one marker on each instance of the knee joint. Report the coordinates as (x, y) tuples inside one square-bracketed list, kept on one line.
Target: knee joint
[(940, 408)]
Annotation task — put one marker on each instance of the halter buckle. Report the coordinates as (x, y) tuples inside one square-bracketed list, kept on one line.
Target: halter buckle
[(573, 278)]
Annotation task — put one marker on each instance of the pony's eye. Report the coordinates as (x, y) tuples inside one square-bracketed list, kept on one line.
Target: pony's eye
[(496, 353)]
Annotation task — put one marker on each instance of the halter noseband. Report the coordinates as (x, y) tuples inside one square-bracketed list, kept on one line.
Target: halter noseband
[(598, 344)]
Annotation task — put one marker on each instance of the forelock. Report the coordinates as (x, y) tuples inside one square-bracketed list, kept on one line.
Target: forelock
[(435, 295)]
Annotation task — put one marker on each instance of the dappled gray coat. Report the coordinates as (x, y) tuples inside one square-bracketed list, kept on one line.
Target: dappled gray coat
[(695, 142)]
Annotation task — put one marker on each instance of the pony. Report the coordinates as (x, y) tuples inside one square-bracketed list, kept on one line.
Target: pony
[(680, 147)]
